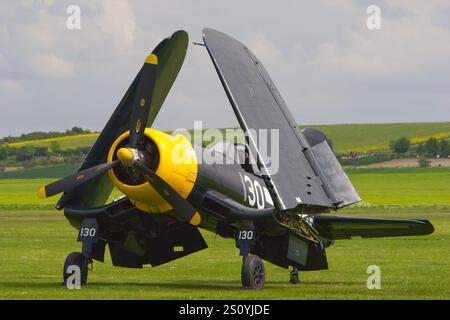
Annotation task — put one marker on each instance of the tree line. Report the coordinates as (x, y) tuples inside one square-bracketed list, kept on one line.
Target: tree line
[(29, 152), (430, 148)]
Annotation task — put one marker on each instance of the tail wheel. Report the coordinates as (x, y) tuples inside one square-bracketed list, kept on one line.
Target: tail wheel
[(253, 273), (294, 278), (75, 259)]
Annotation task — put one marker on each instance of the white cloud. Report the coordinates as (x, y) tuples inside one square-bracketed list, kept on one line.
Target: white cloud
[(117, 19), (11, 86), (51, 66), (407, 46), (44, 33), (262, 47), (2, 61), (324, 61), (38, 2), (4, 36)]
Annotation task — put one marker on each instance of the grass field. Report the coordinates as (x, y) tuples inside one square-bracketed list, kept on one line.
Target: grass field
[(34, 242), (33, 247), (21, 194), (55, 171), (370, 136), (397, 187)]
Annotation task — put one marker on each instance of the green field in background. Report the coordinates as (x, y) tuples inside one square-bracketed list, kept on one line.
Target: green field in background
[(391, 187), (402, 186), (343, 136), (21, 194), (365, 137), (55, 171)]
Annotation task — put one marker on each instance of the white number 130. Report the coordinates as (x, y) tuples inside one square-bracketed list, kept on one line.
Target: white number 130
[(246, 235), (87, 232)]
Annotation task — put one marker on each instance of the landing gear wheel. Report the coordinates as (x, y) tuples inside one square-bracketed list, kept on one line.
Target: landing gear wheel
[(294, 279), (252, 273), (75, 259)]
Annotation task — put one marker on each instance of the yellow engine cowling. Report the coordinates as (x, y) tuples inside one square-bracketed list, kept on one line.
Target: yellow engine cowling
[(177, 166)]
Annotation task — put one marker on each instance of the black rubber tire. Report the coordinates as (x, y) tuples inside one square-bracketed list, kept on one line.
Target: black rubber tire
[(75, 258), (252, 273), (294, 278)]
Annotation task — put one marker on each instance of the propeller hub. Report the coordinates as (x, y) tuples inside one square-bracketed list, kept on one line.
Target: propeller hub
[(156, 151), (126, 156)]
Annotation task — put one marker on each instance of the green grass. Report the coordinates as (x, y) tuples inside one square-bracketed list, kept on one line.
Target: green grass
[(21, 194), (34, 243), (33, 246), (56, 171), (428, 187)]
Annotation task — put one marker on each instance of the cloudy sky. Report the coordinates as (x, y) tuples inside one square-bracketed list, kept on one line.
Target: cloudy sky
[(329, 67)]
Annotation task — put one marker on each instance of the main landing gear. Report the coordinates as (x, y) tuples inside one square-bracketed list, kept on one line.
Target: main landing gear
[(253, 274), (78, 263)]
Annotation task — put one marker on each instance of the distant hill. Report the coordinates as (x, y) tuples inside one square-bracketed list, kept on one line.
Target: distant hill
[(41, 135), (345, 137), (368, 137), (65, 142)]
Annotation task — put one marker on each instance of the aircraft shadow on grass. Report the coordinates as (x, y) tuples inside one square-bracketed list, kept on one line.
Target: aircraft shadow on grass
[(205, 284)]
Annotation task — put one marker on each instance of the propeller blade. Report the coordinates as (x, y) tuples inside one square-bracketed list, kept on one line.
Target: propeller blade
[(181, 206), (143, 99), (75, 180)]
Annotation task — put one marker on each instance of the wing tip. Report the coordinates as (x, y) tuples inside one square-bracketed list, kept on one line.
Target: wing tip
[(427, 227), (151, 59), (41, 193), (196, 219)]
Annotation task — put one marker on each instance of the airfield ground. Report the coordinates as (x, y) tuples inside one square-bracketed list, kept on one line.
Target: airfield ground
[(34, 241)]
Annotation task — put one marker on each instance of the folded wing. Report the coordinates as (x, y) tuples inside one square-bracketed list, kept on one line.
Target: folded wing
[(298, 178)]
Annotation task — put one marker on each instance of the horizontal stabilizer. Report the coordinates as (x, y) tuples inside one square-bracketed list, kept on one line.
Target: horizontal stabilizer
[(336, 227)]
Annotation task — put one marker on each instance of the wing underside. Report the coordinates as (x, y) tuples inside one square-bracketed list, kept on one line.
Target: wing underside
[(336, 227), (297, 179)]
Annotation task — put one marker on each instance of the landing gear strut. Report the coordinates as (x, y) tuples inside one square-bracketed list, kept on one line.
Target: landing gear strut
[(252, 272), (294, 279), (88, 236)]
